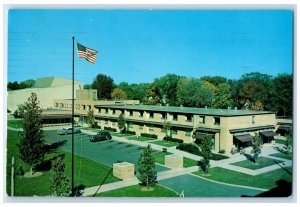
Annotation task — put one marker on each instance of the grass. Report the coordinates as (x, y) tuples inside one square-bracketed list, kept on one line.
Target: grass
[(135, 191), (261, 162), (187, 162), (91, 172), (265, 180), (121, 135), (165, 143), (141, 138), (282, 155), (280, 141), (15, 123)]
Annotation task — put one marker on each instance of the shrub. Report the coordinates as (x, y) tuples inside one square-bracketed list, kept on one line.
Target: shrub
[(173, 139), (189, 147), (222, 151), (164, 150), (149, 135), (130, 132), (110, 129)]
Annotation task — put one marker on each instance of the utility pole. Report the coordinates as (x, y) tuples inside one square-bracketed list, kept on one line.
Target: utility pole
[(12, 175)]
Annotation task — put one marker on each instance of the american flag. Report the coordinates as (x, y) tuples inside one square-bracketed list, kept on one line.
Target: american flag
[(87, 53)]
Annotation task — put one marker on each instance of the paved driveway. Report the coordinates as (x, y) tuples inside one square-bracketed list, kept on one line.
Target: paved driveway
[(194, 186), (105, 152)]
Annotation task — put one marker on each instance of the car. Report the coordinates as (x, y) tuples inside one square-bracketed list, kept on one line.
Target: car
[(100, 136), (68, 130)]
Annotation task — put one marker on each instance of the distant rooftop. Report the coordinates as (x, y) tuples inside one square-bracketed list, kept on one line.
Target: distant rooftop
[(179, 109), (52, 82)]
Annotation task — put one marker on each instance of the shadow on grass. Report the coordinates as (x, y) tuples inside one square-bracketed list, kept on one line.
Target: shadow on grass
[(286, 170), (283, 189), (249, 157), (49, 148), (46, 164)]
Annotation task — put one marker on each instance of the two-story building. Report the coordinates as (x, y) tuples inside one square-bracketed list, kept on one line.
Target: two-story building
[(227, 127)]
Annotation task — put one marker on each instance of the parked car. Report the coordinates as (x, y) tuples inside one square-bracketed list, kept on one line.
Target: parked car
[(100, 136), (68, 130)]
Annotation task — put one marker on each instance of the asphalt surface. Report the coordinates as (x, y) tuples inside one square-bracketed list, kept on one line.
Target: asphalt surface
[(105, 152)]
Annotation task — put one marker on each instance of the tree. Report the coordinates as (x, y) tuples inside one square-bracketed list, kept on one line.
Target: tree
[(146, 167), (215, 80), (104, 85), (167, 87), (87, 86), (32, 143), (223, 98), (288, 142), (205, 146), (59, 182), (281, 99), (167, 127), (19, 112), (118, 94), (153, 95), (121, 123), (90, 118), (256, 147)]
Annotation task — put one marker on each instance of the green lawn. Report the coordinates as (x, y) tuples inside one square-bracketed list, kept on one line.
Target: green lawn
[(280, 141), (141, 138), (87, 172), (164, 143), (121, 135), (282, 155), (261, 162), (135, 191), (15, 123), (265, 180), (187, 162)]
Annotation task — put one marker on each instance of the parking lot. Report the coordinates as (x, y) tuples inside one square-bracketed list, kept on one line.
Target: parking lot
[(105, 152)]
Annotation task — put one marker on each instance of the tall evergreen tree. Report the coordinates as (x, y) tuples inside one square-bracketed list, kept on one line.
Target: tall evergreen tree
[(146, 167), (121, 123), (256, 146), (59, 182), (104, 85), (205, 147), (90, 118), (32, 143)]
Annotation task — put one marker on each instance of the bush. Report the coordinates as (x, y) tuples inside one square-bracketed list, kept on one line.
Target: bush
[(222, 151), (189, 147), (164, 150), (96, 126), (149, 135), (110, 129), (173, 139), (130, 132)]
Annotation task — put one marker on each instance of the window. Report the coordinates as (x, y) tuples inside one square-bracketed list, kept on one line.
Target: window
[(151, 115), (56, 104), (189, 118), (106, 111), (141, 127), (106, 121), (253, 119), (113, 111), (163, 116), (99, 111), (202, 119), (174, 131), (114, 123), (175, 117), (89, 107), (129, 125), (188, 133), (130, 113), (151, 128), (141, 114), (83, 107), (217, 120), (95, 95)]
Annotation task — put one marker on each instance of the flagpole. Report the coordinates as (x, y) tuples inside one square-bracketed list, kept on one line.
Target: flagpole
[(73, 193)]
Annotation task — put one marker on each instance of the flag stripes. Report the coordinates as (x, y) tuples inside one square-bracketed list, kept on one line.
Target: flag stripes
[(87, 53)]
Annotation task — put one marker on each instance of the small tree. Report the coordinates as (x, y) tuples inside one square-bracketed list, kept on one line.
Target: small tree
[(59, 182), (256, 147), (288, 142), (146, 167), (121, 123), (32, 143), (205, 147), (90, 118), (167, 127)]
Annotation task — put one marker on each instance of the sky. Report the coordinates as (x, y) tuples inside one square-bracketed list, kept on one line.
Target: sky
[(137, 46)]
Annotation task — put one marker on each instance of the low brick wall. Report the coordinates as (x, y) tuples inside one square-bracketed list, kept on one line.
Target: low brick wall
[(123, 170), (174, 161)]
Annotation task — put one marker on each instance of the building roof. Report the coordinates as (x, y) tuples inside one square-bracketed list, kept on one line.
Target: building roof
[(51, 82), (186, 110)]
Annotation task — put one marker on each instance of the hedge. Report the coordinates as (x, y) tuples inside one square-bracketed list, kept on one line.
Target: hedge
[(129, 132), (110, 129), (173, 140), (149, 135)]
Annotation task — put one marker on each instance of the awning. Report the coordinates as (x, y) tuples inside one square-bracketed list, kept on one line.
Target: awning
[(286, 127), (244, 137), (199, 135), (268, 134), (211, 130)]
